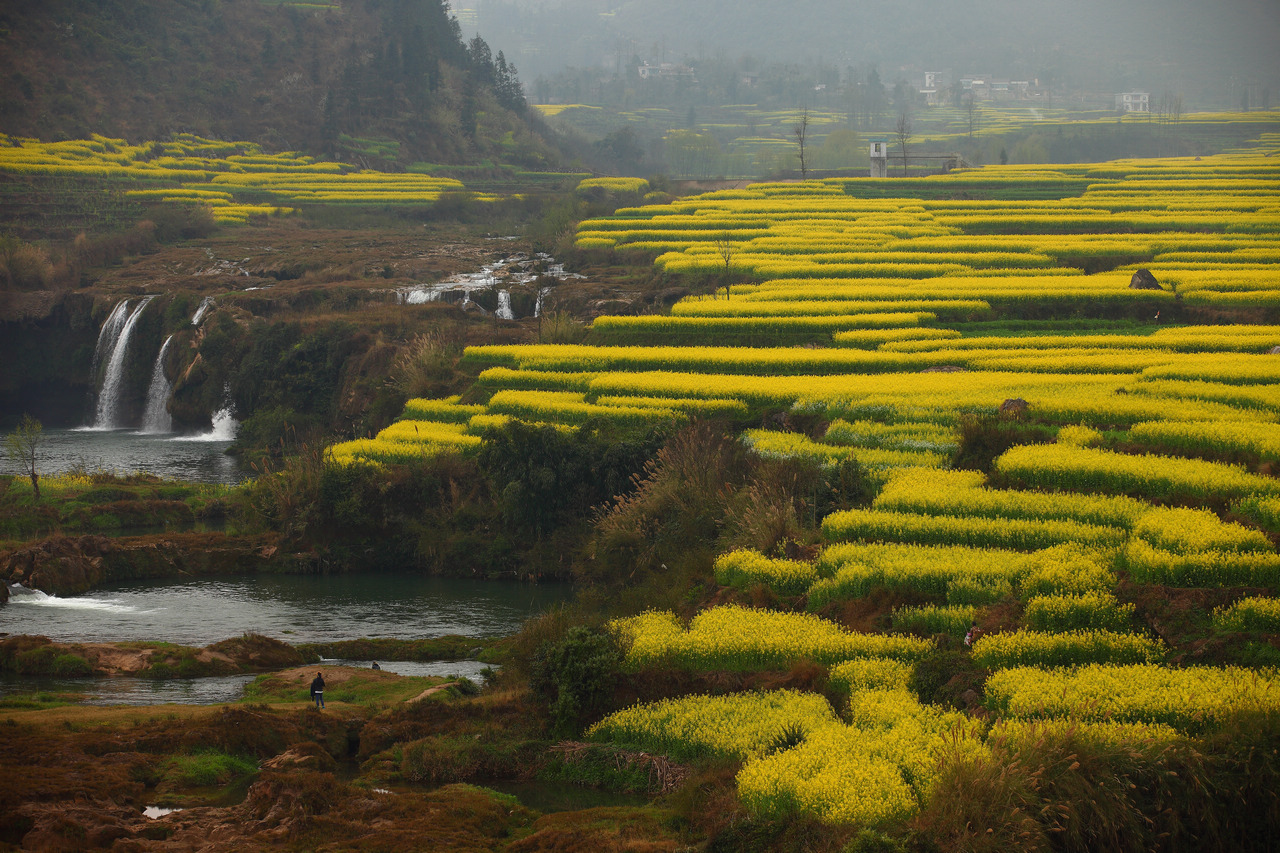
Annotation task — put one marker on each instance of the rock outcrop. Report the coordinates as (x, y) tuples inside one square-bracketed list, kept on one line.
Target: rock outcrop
[(1016, 407), (64, 565), (1144, 280)]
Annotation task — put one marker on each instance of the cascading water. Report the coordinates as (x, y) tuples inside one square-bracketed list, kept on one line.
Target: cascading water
[(155, 418), (107, 415), (202, 310), (109, 336), (504, 305), (224, 428)]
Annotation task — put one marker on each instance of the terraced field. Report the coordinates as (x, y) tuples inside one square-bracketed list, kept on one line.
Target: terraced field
[(893, 315), (235, 180)]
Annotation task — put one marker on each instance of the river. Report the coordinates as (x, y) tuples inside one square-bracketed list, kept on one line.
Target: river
[(293, 608)]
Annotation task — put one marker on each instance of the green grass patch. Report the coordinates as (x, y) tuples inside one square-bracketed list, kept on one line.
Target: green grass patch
[(40, 701), (51, 661), (205, 769)]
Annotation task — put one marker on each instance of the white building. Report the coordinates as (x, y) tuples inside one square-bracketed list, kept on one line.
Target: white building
[(1133, 102)]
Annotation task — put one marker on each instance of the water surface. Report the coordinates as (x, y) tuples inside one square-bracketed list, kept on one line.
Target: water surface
[(293, 608), (214, 690), (195, 458)]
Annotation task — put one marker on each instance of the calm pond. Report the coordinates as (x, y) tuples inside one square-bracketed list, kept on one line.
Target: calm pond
[(196, 458)]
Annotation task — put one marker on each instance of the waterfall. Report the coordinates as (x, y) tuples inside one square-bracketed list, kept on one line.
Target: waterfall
[(224, 428), (108, 337), (155, 418), (108, 409), (504, 306), (201, 311)]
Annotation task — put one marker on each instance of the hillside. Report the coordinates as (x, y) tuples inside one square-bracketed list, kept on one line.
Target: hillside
[(375, 83)]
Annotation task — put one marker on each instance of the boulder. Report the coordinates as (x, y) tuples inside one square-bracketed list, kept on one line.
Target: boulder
[(1144, 280), (59, 566), (1015, 406)]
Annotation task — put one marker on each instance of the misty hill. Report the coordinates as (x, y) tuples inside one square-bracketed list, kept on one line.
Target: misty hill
[(1206, 50), (375, 81)]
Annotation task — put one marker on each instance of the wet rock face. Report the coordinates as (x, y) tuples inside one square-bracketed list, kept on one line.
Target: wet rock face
[(72, 565), (1144, 280), (59, 566)]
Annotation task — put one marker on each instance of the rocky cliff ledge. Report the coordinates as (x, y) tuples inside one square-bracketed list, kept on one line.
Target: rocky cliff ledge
[(65, 565)]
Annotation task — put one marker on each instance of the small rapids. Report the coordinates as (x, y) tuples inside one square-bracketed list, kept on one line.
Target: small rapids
[(21, 596), (500, 276)]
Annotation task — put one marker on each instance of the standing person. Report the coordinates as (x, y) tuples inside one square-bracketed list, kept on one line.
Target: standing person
[(317, 690)]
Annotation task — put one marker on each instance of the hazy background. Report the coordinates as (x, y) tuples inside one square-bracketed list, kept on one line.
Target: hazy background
[(1207, 50)]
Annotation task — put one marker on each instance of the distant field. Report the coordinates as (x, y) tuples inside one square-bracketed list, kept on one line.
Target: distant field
[(749, 141), (236, 180)]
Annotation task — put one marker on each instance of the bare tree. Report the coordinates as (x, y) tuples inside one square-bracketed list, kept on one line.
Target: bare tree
[(724, 248), (903, 132), (23, 446), (801, 132)]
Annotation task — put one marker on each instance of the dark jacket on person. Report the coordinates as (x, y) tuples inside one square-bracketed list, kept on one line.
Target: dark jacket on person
[(317, 686)]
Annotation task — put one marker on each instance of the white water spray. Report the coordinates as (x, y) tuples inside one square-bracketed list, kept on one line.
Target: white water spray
[(156, 417), (504, 306), (21, 595), (109, 334), (201, 310), (107, 415), (224, 428)]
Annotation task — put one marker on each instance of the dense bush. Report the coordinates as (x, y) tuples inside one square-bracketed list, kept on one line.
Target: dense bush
[(575, 677), (546, 478), (984, 437)]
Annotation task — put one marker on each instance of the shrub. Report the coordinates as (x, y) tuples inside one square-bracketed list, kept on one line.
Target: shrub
[(50, 661), (985, 437), (575, 677)]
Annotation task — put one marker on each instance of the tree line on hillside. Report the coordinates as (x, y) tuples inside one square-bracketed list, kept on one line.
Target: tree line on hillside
[(381, 82)]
